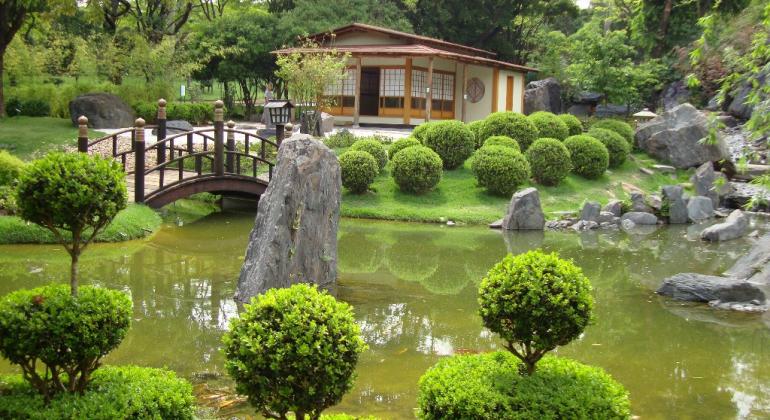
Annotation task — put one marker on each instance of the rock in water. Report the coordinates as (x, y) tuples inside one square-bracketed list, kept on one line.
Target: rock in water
[(294, 239), (674, 200), (699, 208), (705, 182), (702, 288), (733, 227), (104, 110), (590, 211), (615, 207), (640, 218), (524, 211), (754, 265), (543, 95), (676, 137)]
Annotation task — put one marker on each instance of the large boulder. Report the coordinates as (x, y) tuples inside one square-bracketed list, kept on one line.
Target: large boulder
[(694, 287), (705, 182), (640, 218), (755, 264), (524, 211), (699, 208), (733, 227), (175, 127), (738, 106), (294, 239), (543, 95), (104, 110), (612, 111), (673, 199), (676, 137)]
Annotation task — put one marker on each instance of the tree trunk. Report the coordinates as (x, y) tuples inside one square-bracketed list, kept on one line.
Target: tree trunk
[(74, 272), (2, 94), (663, 29)]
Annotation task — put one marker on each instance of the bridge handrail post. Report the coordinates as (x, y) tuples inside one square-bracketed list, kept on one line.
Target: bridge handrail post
[(219, 138), (83, 134), (161, 130), (139, 161), (230, 161)]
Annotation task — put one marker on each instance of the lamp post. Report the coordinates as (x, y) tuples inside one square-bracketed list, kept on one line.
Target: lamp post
[(279, 112), (643, 116)]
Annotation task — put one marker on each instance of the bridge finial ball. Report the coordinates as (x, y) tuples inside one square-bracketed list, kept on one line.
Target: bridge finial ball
[(219, 104), (82, 120), (139, 122), (161, 102), (230, 124)]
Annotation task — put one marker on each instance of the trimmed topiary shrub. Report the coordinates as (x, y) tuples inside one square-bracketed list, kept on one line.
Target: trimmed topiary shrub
[(8, 205), (590, 159), (574, 125), (374, 148), (535, 302), (416, 169), (293, 350), (342, 138), (420, 130), (487, 386), (617, 147), (402, 144), (500, 169), (68, 335), (511, 124), (549, 161), (452, 140), (10, 168), (618, 126), (549, 125), (476, 129), (116, 392), (358, 169), (502, 141)]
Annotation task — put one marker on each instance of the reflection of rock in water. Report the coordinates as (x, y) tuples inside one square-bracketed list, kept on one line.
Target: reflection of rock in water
[(701, 313), (518, 242), (413, 258), (359, 253), (589, 239)]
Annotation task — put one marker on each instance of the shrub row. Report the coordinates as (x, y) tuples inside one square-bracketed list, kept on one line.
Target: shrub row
[(10, 168), (27, 107), (197, 113)]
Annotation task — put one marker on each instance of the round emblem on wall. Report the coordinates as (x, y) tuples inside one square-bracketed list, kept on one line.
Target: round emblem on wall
[(475, 90)]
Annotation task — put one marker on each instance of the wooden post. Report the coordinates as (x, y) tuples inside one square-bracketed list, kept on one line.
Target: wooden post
[(219, 138), (495, 87), (429, 96), (408, 91), (464, 93), (161, 130), (83, 134), (139, 161), (280, 133), (230, 147), (357, 105)]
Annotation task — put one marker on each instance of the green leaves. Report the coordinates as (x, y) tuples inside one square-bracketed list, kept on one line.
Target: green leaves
[(375, 149), (358, 169), (500, 169), (417, 169), (589, 157), (451, 140), (549, 160), (511, 124)]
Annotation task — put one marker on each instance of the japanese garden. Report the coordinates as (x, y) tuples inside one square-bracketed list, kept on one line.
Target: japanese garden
[(384, 209)]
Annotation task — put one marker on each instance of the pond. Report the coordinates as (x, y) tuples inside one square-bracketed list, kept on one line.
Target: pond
[(414, 292)]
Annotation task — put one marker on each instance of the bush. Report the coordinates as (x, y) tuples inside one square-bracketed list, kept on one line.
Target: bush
[(452, 140), (66, 334), (10, 168), (416, 169), (359, 169), (574, 125), (29, 107), (513, 125), (116, 392), (402, 144), (374, 148), (502, 141), (549, 161), (486, 386), (589, 156), (8, 205), (535, 302), (617, 147), (294, 350), (419, 131), (342, 138), (549, 125), (618, 126), (500, 169), (196, 113), (476, 129)]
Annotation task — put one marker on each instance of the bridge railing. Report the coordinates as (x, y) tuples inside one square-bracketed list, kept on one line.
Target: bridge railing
[(189, 155)]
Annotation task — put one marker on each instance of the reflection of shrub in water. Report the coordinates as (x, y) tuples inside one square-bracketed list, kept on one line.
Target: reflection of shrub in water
[(413, 258), (450, 278), (359, 253)]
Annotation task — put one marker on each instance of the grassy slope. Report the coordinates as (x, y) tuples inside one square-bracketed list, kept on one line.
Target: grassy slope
[(27, 136), (458, 198), (134, 222)]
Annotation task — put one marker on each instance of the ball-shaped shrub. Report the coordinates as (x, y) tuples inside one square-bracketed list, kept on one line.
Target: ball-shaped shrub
[(476, 129), (549, 125), (535, 302), (420, 130), (49, 326), (487, 386), (416, 169), (500, 169), (511, 124), (342, 138), (10, 168), (358, 170), (293, 349), (617, 147), (549, 161), (452, 140), (574, 124), (374, 148), (589, 156), (402, 144), (502, 141), (618, 126)]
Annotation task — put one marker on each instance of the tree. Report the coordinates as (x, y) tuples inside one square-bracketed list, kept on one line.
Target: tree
[(72, 193)]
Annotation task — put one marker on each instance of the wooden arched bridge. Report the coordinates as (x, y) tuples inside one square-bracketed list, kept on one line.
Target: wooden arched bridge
[(186, 163)]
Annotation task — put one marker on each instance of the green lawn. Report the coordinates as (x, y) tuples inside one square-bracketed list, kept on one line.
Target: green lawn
[(458, 198), (28, 137)]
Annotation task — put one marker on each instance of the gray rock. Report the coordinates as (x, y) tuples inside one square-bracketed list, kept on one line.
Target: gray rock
[(294, 239), (655, 202), (639, 203), (705, 182), (104, 110), (640, 218), (543, 95), (582, 225), (590, 211), (738, 106), (497, 224), (612, 110), (524, 211), (607, 217), (699, 208), (175, 127), (674, 200), (694, 287), (666, 169), (676, 137), (755, 264), (615, 207), (627, 224), (675, 94), (733, 227)]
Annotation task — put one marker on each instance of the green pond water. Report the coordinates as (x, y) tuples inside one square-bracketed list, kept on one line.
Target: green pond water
[(414, 292)]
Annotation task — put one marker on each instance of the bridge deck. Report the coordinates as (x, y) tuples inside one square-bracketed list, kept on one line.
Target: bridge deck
[(152, 181)]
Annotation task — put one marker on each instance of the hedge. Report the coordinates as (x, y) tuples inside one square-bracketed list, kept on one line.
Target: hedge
[(358, 169), (402, 144), (573, 124), (416, 169), (502, 141), (618, 126), (617, 147), (500, 169), (452, 140), (374, 148), (549, 125), (10, 168), (549, 161), (589, 156), (513, 125)]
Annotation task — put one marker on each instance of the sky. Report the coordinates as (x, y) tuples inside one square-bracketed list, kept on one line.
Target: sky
[(583, 3)]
